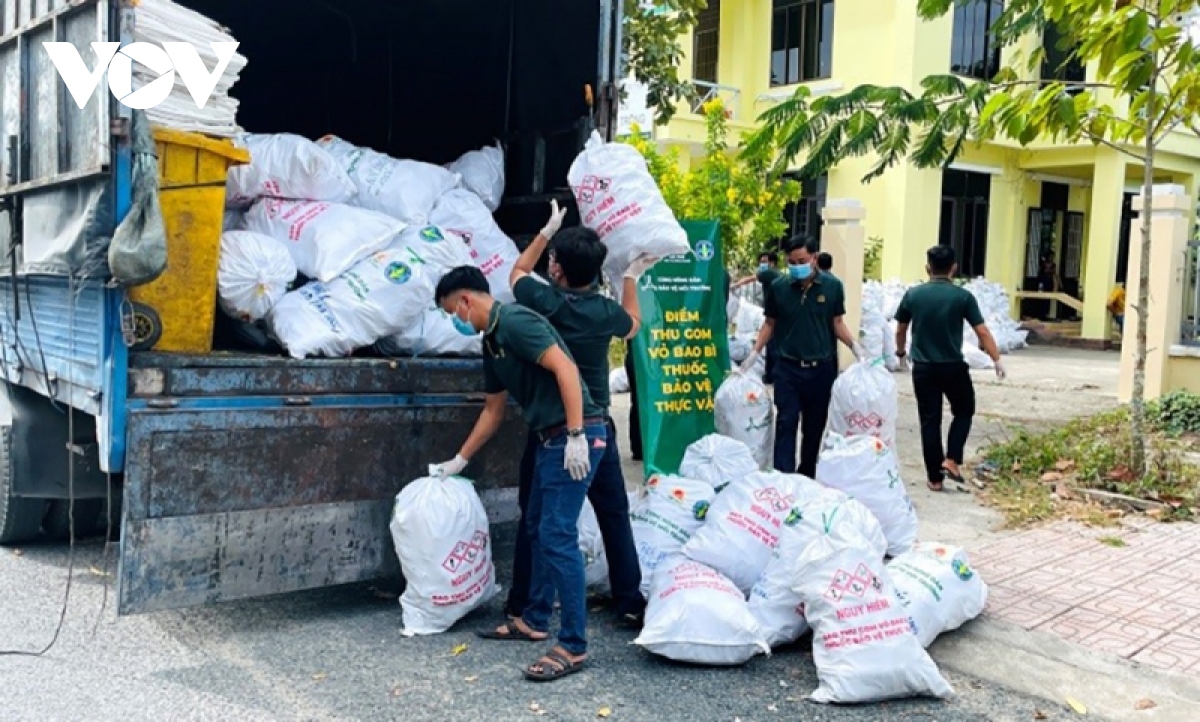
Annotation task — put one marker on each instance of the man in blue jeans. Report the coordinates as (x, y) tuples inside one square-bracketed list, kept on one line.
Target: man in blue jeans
[(524, 356), (805, 311), (588, 322)]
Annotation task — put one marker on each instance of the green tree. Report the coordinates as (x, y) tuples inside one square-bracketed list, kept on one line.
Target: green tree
[(1147, 86), (652, 32), (737, 188)]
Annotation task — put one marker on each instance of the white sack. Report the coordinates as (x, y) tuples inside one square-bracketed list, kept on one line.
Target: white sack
[(975, 358), (866, 469), (286, 166), (777, 607), (235, 220), (403, 189), (618, 381), (696, 615), (461, 212), (664, 517), (749, 320), (440, 530), (591, 545), (740, 347), (325, 239), (254, 272), (863, 643), (434, 335), (744, 523), (744, 412), (718, 460), (939, 589), (865, 402), (618, 198), (482, 173)]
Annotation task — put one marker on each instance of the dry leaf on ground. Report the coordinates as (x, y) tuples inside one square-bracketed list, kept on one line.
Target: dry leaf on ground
[(1038, 714), (459, 650), (1076, 706), (1144, 704), (604, 712), (320, 676)]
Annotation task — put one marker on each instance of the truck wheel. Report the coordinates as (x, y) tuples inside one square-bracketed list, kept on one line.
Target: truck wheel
[(147, 327), (20, 518), (87, 519)]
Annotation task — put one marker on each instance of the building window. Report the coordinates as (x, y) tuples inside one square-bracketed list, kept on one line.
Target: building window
[(801, 41), (804, 215), (706, 40), (974, 53), (964, 221), (1060, 63)]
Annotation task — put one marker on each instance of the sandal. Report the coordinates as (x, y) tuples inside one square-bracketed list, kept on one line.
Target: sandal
[(935, 486), (559, 666), (511, 633), (957, 478)]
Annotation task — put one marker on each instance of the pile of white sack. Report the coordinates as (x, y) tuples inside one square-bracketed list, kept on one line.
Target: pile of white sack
[(370, 234), (878, 328), (736, 561)]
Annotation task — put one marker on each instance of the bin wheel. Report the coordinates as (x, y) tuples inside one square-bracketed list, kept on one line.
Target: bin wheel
[(147, 327), (20, 517)]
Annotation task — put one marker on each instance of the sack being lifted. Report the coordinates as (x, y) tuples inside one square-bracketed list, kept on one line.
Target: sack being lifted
[(440, 530), (619, 200)]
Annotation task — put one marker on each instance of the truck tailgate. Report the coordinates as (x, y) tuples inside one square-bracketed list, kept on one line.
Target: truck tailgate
[(252, 476)]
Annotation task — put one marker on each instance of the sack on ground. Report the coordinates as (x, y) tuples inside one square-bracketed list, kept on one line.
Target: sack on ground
[(482, 173), (440, 530), (863, 643), (744, 523), (694, 614), (664, 516), (618, 381), (254, 272), (865, 402), (461, 212), (434, 335), (939, 588), (325, 239), (718, 460), (744, 412), (975, 358), (591, 545), (403, 189), (777, 607), (286, 166), (618, 198), (865, 468)]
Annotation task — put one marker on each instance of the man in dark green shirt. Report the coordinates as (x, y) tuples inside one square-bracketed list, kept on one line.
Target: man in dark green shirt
[(805, 313), (936, 311), (588, 322), (524, 356), (767, 274)]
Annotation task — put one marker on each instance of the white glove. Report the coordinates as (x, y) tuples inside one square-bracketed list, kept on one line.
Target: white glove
[(454, 467), (859, 352), (640, 266), (577, 462), (748, 365), (1001, 372), (556, 220)]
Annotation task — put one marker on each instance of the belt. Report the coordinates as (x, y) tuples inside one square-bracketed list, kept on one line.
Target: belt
[(808, 364), (556, 431)]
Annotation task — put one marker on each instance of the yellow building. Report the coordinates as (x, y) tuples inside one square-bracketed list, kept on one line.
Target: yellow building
[(1019, 216)]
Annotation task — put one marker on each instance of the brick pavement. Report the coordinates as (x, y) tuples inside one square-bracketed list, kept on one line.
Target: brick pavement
[(1140, 601)]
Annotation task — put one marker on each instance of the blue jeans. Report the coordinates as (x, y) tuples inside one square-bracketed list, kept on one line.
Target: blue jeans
[(555, 501), (608, 497), (802, 395)]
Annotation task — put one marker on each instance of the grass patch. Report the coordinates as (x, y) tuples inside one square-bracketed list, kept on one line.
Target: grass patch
[(1042, 475), (1115, 542)]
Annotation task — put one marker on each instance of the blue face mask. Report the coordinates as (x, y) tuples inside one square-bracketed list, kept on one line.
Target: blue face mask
[(463, 327), (762, 267), (800, 273)]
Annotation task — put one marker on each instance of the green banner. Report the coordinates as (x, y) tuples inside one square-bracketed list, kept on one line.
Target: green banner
[(681, 354)]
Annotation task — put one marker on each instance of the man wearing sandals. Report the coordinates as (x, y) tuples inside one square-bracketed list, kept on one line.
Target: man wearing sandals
[(936, 311), (524, 356)]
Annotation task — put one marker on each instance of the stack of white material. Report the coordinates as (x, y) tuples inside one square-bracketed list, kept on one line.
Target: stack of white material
[(159, 21), (994, 304)]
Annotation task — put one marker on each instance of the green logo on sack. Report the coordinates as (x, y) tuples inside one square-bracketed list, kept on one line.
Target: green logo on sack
[(432, 234), (398, 273), (700, 510), (793, 518), (962, 570)]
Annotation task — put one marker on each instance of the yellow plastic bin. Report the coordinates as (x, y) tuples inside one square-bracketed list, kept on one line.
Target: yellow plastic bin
[(175, 313)]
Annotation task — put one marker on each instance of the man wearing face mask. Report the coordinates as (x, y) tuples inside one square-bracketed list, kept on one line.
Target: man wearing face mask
[(587, 322), (524, 355), (805, 313)]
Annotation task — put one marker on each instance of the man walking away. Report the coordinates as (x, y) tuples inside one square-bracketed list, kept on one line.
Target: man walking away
[(587, 322), (825, 263), (524, 355), (936, 311), (806, 312)]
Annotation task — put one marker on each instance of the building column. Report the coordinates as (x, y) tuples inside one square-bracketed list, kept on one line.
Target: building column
[(1103, 242), (844, 237), (1170, 229)]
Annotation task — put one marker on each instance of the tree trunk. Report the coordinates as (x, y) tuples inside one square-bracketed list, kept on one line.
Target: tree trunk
[(1137, 401)]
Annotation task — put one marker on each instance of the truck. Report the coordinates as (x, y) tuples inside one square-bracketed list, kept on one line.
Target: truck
[(237, 475)]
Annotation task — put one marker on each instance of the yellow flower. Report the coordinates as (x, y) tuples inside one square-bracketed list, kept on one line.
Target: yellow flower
[(731, 195)]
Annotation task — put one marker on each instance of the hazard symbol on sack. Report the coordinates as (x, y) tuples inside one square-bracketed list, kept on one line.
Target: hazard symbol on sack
[(772, 498), (869, 422), (586, 191), (466, 552), (845, 584)]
